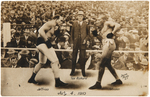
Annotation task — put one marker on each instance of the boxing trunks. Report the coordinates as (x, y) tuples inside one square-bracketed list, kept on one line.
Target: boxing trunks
[(40, 40)]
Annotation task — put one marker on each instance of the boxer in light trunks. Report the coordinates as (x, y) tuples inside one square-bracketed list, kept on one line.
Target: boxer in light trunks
[(108, 31), (46, 51)]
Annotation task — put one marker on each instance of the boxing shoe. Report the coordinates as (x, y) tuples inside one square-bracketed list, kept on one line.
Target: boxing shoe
[(32, 81), (117, 82), (59, 83), (96, 86), (72, 72)]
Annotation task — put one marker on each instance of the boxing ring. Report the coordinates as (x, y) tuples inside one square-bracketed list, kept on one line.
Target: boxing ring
[(14, 83), (14, 80)]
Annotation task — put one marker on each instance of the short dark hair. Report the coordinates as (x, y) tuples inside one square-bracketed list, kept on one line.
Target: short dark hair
[(30, 38), (110, 35), (17, 34), (61, 39), (94, 33)]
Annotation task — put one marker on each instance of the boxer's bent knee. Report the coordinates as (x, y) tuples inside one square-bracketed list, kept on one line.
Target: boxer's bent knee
[(42, 63), (55, 68), (55, 62)]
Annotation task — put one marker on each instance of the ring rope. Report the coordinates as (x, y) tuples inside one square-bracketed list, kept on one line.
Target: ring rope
[(72, 50)]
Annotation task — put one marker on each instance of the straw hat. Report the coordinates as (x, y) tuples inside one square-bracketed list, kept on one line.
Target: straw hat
[(64, 24), (11, 51), (115, 55), (27, 31), (80, 13), (144, 62), (13, 31), (133, 31), (33, 61), (66, 34), (24, 52)]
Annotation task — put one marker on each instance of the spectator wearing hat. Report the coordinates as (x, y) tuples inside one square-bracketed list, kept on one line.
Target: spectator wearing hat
[(33, 62), (57, 31), (137, 61), (13, 31), (79, 35), (144, 64), (60, 45), (33, 54), (133, 38), (96, 40), (95, 58), (115, 57), (62, 56), (19, 19), (12, 16), (137, 66), (119, 61), (9, 62), (67, 37), (26, 33), (144, 43), (17, 42), (67, 55), (23, 61), (11, 55), (122, 41), (38, 22), (31, 42), (13, 62), (130, 65), (96, 45), (26, 17)]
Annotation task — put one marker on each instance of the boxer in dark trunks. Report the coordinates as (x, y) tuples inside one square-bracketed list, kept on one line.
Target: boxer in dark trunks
[(46, 51), (107, 32)]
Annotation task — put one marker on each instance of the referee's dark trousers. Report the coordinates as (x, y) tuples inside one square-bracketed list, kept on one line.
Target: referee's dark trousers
[(79, 33)]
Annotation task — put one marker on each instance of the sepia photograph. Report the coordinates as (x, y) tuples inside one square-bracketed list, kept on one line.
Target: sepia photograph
[(75, 48)]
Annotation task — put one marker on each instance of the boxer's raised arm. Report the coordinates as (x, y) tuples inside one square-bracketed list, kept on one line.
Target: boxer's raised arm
[(116, 27)]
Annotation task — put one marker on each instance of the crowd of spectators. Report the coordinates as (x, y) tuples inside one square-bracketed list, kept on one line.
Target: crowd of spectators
[(27, 17), (29, 58), (132, 15)]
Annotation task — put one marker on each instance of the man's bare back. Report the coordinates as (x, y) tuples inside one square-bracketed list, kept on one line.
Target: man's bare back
[(109, 27), (108, 44)]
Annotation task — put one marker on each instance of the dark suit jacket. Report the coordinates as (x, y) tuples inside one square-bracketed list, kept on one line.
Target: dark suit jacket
[(22, 62), (21, 44), (76, 30), (33, 56)]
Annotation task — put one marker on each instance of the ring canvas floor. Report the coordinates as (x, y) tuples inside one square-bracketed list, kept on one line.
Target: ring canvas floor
[(14, 83)]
